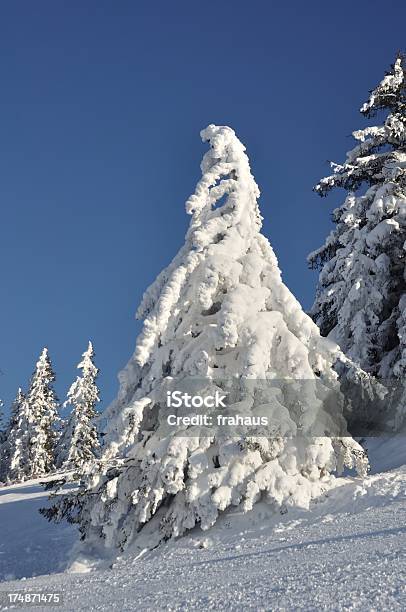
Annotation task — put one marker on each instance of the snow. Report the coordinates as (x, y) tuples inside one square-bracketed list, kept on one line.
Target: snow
[(32, 435), (29, 545), (360, 297), (390, 83), (265, 524), (79, 443), (218, 317), (346, 553)]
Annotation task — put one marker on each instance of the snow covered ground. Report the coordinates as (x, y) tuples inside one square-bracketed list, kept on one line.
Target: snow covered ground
[(347, 553), (29, 546)]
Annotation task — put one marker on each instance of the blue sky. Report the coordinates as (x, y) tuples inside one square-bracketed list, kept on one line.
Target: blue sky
[(101, 108)]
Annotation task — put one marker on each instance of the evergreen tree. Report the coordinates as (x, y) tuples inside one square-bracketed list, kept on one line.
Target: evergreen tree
[(2, 423), (361, 297), (217, 319), (15, 451), (43, 407), (79, 443), (3, 434)]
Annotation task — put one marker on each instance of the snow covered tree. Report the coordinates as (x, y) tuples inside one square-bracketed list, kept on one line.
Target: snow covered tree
[(43, 407), (2, 440), (15, 450), (2, 423), (361, 297), (217, 319), (79, 443), (28, 448)]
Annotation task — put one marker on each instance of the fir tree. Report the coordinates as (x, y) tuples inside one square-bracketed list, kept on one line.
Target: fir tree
[(43, 407), (220, 318), (2, 423), (79, 443), (361, 297), (3, 434), (15, 451)]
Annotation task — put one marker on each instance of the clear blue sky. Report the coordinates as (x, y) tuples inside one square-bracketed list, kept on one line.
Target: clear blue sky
[(101, 108)]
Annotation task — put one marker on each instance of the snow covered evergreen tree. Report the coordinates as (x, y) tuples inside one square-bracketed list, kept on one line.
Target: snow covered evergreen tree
[(15, 450), (218, 318), (43, 408), (79, 443), (2, 440), (2, 423), (361, 297)]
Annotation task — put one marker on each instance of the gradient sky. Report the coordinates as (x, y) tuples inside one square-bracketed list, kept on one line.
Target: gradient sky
[(101, 107)]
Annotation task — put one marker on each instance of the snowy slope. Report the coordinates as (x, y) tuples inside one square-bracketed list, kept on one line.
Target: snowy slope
[(386, 452), (348, 552), (28, 545)]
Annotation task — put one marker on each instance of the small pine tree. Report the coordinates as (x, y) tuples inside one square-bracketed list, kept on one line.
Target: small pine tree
[(361, 297), (3, 433), (79, 443), (2, 423), (43, 406), (15, 451)]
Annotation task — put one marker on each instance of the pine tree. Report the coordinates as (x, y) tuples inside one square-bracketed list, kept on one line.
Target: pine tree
[(3, 434), (15, 451), (2, 423), (361, 297), (43, 407), (217, 319), (79, 443)]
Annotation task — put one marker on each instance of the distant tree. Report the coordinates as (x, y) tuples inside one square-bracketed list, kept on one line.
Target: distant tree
[(43, 408), (15, 450), (79, 443), (2, 423), (361, 297)]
